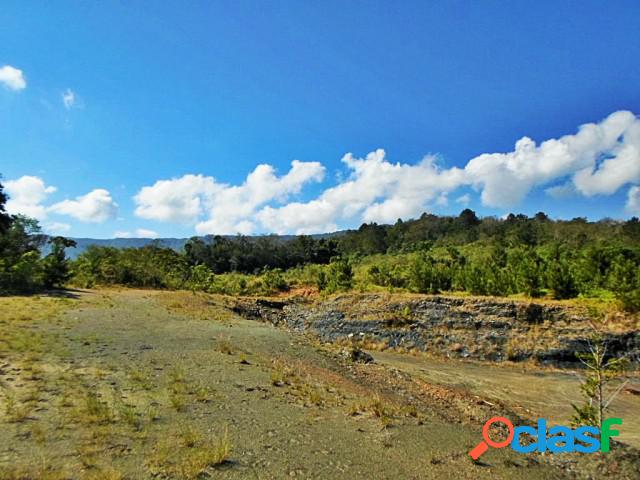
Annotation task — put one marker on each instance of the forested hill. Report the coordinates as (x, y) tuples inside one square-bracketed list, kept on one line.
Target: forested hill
[(176, 244), (431, 230), (83, 243)]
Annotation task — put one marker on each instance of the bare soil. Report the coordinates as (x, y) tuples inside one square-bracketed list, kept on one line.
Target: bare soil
[(142, 384)]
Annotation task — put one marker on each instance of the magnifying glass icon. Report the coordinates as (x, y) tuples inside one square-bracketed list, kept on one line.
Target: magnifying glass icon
[(487, 442)]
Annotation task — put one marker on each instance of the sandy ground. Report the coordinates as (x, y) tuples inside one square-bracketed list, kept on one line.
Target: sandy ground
[(142, 384), (530, 392)]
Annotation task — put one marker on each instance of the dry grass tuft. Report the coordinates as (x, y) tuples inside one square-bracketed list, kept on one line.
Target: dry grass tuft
[(15, 410), (282, 373), (223, 345), (200, 456)]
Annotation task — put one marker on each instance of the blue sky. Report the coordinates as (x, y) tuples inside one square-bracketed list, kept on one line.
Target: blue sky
[(100, 101)]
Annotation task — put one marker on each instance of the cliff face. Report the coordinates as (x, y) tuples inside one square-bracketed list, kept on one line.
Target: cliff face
[(483, 329)]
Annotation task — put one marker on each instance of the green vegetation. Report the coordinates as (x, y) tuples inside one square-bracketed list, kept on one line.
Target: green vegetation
[(517, 255), (21, 267), (534, 257), (600, 370)]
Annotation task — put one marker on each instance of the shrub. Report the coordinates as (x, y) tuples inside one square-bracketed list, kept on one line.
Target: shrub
[(338, 276), (625, 283), (274, 281)]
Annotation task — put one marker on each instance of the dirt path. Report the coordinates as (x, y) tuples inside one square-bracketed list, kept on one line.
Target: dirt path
[(532, 393), (139, 384)]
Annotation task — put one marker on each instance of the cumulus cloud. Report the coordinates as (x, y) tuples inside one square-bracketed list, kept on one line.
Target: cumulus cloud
[(233, 208), (375, 191), (96, 206), (301, 218), (599, 159), (222, 208), (179, 200), (26, 195), (633, 200), (68, 98), (12, 78)]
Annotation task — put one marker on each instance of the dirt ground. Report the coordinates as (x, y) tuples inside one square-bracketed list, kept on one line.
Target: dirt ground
[(529, 391), (113, 384)]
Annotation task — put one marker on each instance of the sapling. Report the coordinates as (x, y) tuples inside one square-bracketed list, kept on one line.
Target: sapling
[(601, 370)]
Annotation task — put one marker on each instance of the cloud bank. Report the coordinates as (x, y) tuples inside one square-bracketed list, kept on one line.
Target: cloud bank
[(599, 159)]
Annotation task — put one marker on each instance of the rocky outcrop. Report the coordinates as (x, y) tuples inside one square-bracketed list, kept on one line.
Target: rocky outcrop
[(484, 329)]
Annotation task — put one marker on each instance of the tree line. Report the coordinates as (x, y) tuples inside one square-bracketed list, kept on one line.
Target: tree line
[(534, 256)]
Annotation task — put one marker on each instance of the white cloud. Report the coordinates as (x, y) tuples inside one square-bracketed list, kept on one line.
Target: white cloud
[(26, 195), (599, 159), (68, 98), (301, 218), (228, 209), (139, 233), (633, 200), (96, 206), (179, 200), (376, 191), (12, 78), (565, 190), (442, 200), (464, 199), (233, 208), (143, 233), (56, 228)]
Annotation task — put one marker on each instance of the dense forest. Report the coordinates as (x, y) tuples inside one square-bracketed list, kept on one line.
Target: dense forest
[(533, 256)]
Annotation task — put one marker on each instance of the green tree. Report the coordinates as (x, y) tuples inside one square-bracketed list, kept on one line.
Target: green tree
[(19, 255), (600, 371), (55, 266), (475, 280), (625, 283), (25, 275), (528, 270), (200, 278), (337, 276), (5, 218), (560, 278), (428, 275)]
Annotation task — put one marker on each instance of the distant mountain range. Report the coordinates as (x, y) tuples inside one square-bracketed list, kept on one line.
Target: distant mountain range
[(173, 243)]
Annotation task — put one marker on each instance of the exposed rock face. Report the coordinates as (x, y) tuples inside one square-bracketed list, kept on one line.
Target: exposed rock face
[(484, 329)]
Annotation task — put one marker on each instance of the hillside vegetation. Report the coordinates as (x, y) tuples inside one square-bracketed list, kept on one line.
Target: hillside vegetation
[(518, 255), (534, 257)]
